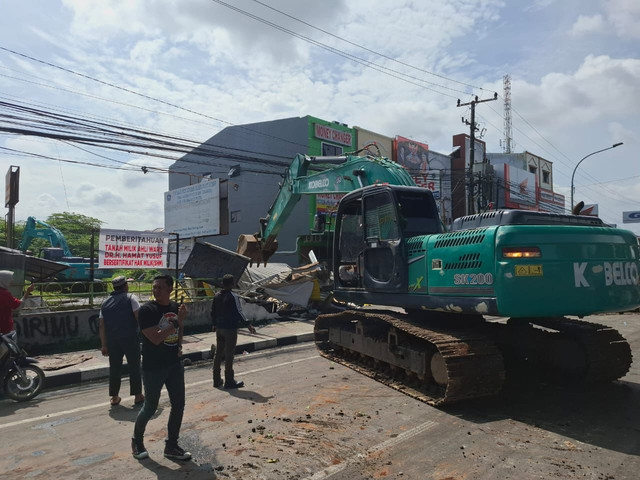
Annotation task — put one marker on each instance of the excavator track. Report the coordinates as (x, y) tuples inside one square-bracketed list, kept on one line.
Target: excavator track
[(435, 365), (441, 359), (573, 350)]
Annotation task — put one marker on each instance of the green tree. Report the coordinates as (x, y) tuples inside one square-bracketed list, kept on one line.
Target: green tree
[(76, 229), (18, 228)]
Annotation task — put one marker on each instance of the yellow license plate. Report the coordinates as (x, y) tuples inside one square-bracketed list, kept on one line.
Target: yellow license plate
[(528, 270)]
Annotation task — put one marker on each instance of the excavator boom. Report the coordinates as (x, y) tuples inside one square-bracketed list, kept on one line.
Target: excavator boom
[(35, 228), (317, 175)]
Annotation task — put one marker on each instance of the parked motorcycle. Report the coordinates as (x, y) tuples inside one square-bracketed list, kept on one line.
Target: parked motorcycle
[(22, 380)]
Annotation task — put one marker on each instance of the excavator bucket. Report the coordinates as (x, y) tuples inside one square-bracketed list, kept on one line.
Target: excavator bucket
[(250, 246)]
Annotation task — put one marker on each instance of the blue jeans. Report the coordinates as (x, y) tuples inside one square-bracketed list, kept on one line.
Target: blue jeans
[(173, 378)]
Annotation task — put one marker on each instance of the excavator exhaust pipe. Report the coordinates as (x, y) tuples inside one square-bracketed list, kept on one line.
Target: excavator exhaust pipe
[(250, 246)]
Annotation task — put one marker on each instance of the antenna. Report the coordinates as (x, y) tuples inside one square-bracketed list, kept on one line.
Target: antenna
[(506, 146)]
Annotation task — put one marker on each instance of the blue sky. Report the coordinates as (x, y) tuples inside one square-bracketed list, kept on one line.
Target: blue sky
[(574, 64)]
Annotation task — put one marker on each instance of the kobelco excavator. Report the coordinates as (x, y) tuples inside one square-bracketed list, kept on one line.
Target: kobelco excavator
[(496, 290)]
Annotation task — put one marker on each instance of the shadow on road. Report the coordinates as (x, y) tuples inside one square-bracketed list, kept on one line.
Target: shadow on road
[(607, 416), (129, 414), (9, 406), (186, 469), (248, 395)]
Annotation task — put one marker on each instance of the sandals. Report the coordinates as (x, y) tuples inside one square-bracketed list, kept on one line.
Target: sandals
[(115, 401)]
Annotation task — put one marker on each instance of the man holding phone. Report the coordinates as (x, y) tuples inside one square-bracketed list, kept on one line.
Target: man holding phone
[(161, 323)]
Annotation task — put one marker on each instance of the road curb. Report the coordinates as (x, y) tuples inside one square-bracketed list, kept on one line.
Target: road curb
[(82, 375)]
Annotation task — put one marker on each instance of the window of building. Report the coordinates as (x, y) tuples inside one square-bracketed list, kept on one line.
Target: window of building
[(329, 150), (532, 169), (546, 177)]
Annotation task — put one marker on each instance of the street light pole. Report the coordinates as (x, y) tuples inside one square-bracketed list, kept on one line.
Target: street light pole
[(583, 158)]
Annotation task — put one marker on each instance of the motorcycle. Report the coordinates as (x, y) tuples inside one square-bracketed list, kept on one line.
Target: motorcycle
[(22, 380)]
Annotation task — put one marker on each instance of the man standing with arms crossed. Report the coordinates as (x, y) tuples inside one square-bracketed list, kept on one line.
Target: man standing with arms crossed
[(119, 337), (161, 322), (226, 315)]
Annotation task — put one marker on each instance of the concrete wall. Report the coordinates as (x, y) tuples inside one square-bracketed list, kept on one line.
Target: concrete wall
[(81, 326)]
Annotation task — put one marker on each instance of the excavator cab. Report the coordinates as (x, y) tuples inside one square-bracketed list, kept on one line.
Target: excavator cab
[(372, 226)]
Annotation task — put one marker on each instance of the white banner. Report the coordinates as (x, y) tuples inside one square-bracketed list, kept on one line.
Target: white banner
[(631, 217), (193, 211), (132, 249)]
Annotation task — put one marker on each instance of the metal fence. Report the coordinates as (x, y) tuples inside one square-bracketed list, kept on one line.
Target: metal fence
[(59, 296)]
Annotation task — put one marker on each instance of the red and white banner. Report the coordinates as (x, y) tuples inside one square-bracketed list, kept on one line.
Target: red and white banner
[(132, 249)]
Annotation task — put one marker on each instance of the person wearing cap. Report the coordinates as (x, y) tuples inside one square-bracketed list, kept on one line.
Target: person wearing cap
[(119, 338), (8, 303), (227, 316)]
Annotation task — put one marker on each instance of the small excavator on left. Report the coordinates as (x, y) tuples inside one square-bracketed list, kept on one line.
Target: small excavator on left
[(78, 267)]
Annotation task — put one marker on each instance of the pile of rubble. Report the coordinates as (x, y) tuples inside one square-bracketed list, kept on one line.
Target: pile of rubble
[(278, 291)]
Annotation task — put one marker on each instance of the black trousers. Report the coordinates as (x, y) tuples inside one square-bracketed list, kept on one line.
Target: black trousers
[(124, 347), (226, 340)]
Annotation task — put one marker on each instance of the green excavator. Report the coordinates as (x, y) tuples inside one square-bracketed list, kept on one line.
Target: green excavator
[(455, 310)]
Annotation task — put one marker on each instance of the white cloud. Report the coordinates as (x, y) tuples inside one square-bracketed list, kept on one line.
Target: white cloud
[(588, 25), (624, 16), (144, 53), (600, 87), (620, 18)]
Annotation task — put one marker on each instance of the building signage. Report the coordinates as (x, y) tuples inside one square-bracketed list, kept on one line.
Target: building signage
[(430, 181), (328, 202), (551, 201), (516, 187), (631, 217), (132, 249), (590, 210), (333, 135), (193, 211), (412, 155)]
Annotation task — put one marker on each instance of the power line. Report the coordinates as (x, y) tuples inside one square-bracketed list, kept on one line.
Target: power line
[(365, 48), (366, 63), (148, 97)]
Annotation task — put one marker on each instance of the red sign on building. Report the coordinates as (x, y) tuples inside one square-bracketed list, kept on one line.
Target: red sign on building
[(333, 135)]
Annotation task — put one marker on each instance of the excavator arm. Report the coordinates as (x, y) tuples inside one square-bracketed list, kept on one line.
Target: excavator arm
[(317, 175), (35, 228)]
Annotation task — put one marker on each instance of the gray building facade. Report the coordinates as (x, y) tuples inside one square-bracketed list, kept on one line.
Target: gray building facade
[(252, 157)]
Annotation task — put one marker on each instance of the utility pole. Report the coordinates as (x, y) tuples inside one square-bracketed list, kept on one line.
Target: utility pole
[(473, 128)]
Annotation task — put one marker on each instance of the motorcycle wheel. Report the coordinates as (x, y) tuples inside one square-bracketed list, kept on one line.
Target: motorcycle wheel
[(25, 386)]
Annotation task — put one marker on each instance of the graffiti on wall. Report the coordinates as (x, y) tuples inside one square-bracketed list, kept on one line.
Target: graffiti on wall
[(57, 327)]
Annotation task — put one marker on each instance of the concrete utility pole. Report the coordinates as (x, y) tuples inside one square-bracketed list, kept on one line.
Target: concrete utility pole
[(473, 128)]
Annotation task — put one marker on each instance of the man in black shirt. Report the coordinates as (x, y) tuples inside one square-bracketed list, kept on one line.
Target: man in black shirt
[(119, 337), (161, 324), (226, 315)]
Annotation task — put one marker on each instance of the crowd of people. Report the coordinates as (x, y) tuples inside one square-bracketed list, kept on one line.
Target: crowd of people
[(155, 330)]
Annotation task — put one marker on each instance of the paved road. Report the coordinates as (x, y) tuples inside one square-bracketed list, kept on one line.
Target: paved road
[(303, 417)]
